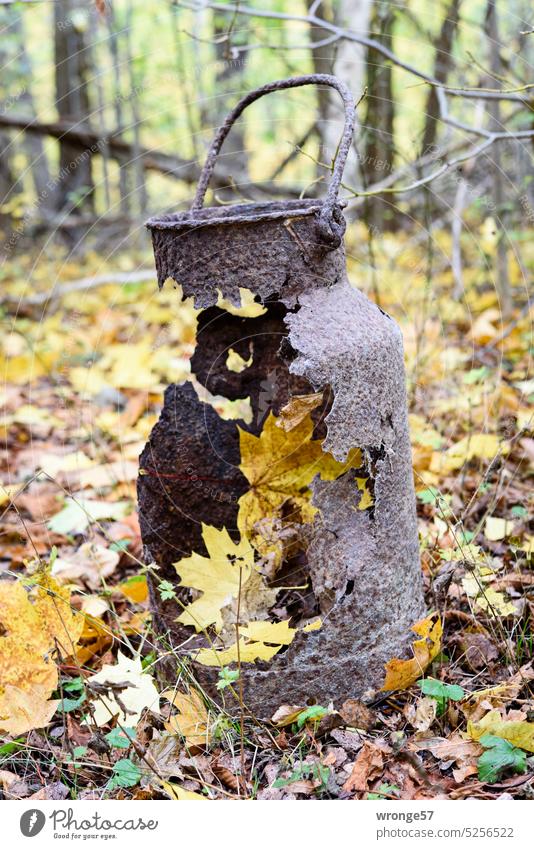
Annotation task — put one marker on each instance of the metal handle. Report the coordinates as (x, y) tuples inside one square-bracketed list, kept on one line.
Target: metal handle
[(330, 225)]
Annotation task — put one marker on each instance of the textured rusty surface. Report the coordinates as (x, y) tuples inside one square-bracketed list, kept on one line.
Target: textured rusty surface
[(188, 475), (318, 333), (283, 254)]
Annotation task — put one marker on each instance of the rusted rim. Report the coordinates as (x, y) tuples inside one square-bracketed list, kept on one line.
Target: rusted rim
[(242, 213)]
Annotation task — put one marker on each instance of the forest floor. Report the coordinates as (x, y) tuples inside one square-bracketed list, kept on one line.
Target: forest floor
[(83, 382)]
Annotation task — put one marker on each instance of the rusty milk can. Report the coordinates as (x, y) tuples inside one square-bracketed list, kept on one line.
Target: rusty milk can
[(327, 543)]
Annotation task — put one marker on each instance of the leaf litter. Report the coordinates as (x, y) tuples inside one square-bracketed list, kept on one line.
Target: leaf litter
[(67, 500)]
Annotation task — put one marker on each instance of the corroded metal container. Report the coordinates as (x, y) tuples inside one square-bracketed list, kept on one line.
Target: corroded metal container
[(359, 570)]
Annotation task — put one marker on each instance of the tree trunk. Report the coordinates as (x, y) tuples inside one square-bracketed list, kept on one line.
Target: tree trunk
[(345, 60), (228, 86), (379, 119), (442, 67), (499, 199), (75, 186)]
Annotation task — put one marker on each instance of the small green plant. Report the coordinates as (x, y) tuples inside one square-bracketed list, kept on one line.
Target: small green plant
[(385, 791), (227, 677), (120, 738), (441, 692), (314, 712), (77, 752), (125, 774), (75, 686), (315, 772), (166, 590), (499, 756)]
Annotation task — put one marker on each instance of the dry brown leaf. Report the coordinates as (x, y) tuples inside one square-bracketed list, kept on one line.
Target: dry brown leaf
[(297, 408), (425, 713), (356, 714), (286, 715), (234, 782), (90, 563), (454, 748), (367, 766)]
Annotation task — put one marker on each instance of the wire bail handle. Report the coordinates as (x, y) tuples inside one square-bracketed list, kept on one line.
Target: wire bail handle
[(331, 223)]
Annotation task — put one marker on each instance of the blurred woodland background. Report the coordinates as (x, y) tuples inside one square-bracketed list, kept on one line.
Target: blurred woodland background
[(106, 112)]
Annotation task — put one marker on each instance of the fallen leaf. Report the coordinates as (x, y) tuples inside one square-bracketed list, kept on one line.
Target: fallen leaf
[(78, 514), (254, 602), (248, 307), (482, 446), (297, 408), (425, 713), (455, 748), (248, 653), (367, 766), (401, 674), (34, 627), (485, 597), (91, 563), (22, 710), (357, 715), (62, 624), (217, 576), (191, 721), (180, 795), (135, 588), (519, 733), (125, 702), (236, 363), (93, 605), (278, 633), (316, 625), (286, 715), (280, 467), (496, 529)]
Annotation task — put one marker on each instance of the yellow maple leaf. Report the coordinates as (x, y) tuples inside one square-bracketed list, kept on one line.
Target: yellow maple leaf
[(252, 645), (519, 733), (63, 625), (248, 653), (280, 467), (191, 721), (32, 633), (401, 674), (22, 710), (217, 576), (278, 633)]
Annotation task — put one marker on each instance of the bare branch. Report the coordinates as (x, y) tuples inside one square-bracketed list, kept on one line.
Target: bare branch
[(313, 21)]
